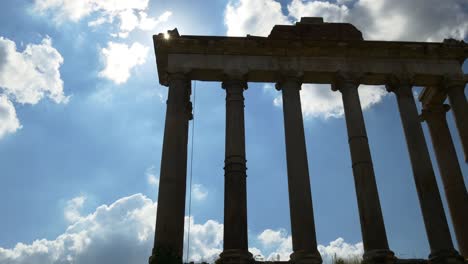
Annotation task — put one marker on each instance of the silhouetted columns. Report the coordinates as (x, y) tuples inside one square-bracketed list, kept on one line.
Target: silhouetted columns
[(437, 229), (457, 99), (300, 200), (450, 171), (235, 248), (374, 237), (169, 236)]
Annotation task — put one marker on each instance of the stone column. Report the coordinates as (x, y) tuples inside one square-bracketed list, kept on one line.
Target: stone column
[(457, 100), (437, 229), (300, 200), (374, 237), (169, 237), (450, 171), (235, 249)]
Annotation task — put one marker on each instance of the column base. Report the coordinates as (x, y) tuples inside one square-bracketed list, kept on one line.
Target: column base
[(446, 257), (235, 256), (379, 256), (305, 257), (162, 256)]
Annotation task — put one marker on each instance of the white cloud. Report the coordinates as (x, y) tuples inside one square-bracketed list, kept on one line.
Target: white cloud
[(318, 100), (72, 209), (129, 20), (119, 233), (74, 10), (65, 9), (417, 20), (120, 59), (130, 13), (151, 176), (199, 192), (329, 11), (271, 237), (255, 17), (279, 247), (32, 74), (340, 249), (206, 240), (123, 232), (9, 122), (26, 77)]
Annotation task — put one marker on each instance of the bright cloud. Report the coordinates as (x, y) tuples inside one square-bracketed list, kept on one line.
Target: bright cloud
[(279, 247), (151, 176), (9, 122), (26, 77), (415, 20), (123, 232), (318, 100), (199, 192), (120, 59), (255, 17), (131, 14), (30, 75), (72, 209)]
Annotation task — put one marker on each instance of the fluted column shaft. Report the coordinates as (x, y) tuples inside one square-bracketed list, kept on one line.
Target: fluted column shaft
[(235, 187), (435, 221), (300, 199), (459, 106), (372, 224), (449, 168), (169, 236)]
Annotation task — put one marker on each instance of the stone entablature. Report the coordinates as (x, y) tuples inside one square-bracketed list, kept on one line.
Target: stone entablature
[(260, 59)]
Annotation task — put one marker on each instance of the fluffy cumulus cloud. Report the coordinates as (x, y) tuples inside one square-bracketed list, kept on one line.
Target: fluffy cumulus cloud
[(120, 59), (277, 245), (255, 17), (318, 100), (72, 209), (26, 77), (9, 122), (123, 231), (30, 75), (130, 14)]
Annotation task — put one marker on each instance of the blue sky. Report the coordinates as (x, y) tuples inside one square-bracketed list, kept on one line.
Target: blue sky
[(82, 116)]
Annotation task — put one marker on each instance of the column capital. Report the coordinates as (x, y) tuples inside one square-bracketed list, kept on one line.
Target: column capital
[(345, 79), (433, 110), (400, 84), (448, 82), (227, 83), (176, 76), (296, 82)]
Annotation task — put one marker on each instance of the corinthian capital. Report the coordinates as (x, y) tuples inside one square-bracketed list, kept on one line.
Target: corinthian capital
[(400, 83), (346, 79)]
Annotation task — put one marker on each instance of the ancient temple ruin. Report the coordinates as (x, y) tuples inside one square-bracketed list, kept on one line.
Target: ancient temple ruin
[(312, 51)]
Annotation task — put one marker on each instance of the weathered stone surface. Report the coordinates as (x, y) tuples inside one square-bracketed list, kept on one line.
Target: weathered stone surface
[(374, 237), (304, 240), (450, 171)]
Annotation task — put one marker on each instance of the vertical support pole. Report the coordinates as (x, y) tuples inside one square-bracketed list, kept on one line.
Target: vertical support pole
[(449, 168), (169, 235), (457, 100), (235, 248), (376, 249), (435, 221), (304, 240)]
